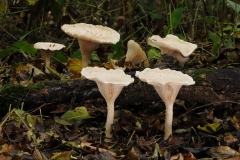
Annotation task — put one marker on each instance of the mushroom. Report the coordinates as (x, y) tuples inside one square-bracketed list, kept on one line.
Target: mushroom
[(167, 83), (135, 54), (110, 84), (173, 46), (47, 49), (90, 36)]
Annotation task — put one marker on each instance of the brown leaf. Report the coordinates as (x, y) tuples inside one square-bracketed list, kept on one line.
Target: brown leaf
[(101, 156), (7, 148), (221, 152), (3, 157), (37, 155), (229, 139), (131, 155), (178, 156)]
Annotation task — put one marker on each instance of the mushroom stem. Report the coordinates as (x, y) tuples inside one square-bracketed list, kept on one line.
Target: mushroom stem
[(168, 94), (47, 54), (168, 120), (110, 118), (86, 48)]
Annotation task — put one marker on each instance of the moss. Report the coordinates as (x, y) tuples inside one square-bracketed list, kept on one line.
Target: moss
[(14, 93), (199, 75)]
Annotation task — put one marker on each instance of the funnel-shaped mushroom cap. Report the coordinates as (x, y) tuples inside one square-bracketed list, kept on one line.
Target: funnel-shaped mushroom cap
[(94, 33), (167, 83), (173, 46), (110, 84), (165, 77), (135, 54)]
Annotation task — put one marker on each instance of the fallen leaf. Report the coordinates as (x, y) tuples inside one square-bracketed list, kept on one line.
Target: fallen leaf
[(79, 113), (210, 128), (37, 155), (101, 156), (221, 152), (62, 156), (75, 66), (131, 155), (178, 156), (5, 148)]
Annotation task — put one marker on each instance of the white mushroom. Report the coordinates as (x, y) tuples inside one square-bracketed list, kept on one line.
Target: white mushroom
[(90, 36), (167, 83), (135, 54), (173, 46), (110, 84), (47, 49)]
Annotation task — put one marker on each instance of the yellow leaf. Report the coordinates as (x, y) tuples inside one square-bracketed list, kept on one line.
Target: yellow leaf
[(75, 66), (32, 2), (210, 128)]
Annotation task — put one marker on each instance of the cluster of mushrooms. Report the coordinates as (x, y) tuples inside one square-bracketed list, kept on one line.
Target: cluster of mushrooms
[(110, 82)]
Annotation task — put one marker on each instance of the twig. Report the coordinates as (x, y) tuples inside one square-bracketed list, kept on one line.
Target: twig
[(8, 33), (205, 106)]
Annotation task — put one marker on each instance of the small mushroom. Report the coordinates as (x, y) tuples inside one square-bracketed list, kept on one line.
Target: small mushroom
[(173, 46), (135, 54), (47, 49), (90, 36), (110, 84), (167, 83)]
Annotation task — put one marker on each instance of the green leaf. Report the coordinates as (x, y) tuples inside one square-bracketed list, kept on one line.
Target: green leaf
[(62, 121), (229, 43), (209, 20), (57, 10), (25, 47), (77, 114), (156, 16), (94, 57), (60, 57), (215, 49), (77, 55), (59, 1), (153, 53), (214, 37), (117, 48), (235, 6), (166, 30), (176, 17)]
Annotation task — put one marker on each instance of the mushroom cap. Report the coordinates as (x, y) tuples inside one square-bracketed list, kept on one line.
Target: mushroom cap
[(95, 33), (48, 46), (171, 43), (111, 76), (165, 76), (135, 53)]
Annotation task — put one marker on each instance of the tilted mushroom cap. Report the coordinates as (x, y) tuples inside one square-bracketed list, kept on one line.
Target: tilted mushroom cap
[(165, 76), (95, 33), (171, 42), (48, 46), (135, 54), (47, 49)]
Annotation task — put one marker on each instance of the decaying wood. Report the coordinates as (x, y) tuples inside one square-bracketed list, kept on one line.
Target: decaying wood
[(214, 86)]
